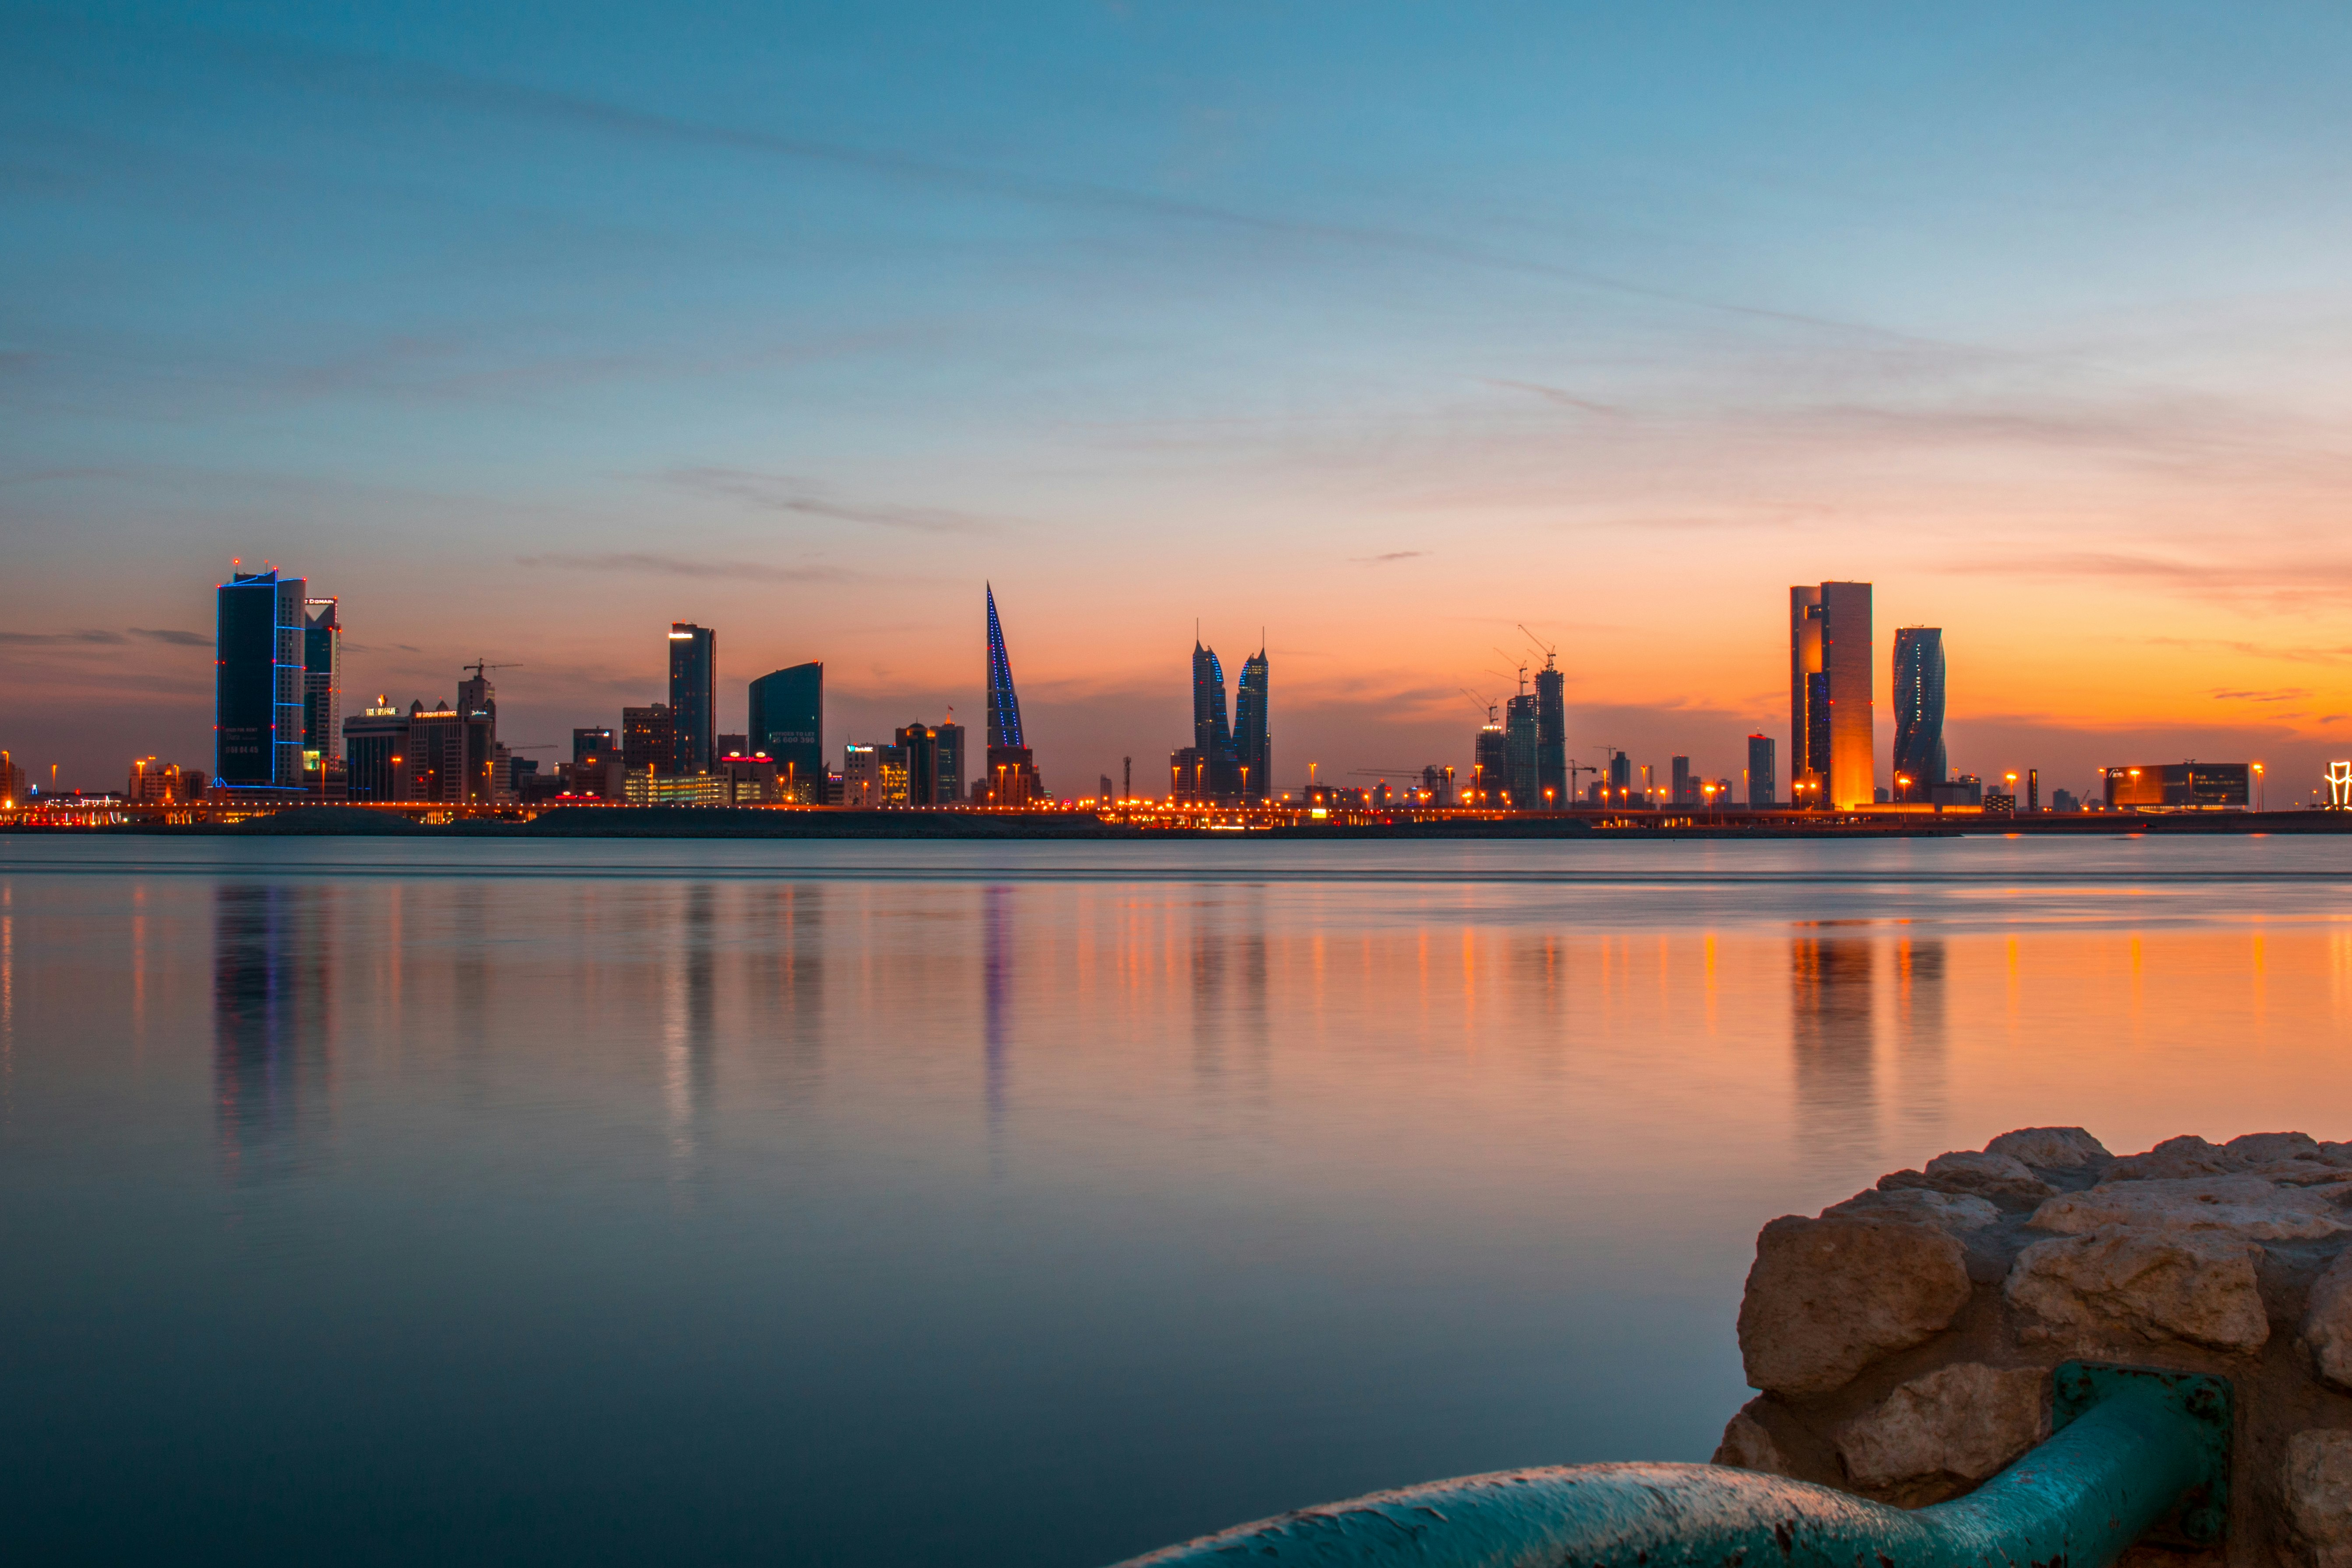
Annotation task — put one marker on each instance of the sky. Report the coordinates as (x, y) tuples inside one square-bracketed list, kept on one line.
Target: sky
[(1377, 331)]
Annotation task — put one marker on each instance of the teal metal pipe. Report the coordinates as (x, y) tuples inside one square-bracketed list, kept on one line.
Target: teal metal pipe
[(2146, 1448)]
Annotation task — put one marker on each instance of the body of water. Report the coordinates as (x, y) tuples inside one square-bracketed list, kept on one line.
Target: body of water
[(368, 1201)]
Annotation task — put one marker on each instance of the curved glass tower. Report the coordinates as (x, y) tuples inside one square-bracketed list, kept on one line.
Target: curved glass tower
[(1918, 711)]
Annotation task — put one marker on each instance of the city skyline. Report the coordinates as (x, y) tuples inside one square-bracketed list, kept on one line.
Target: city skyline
[(799, 335)]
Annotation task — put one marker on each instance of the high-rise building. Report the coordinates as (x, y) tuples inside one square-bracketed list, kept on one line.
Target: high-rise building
[(934, 762), (1212, 736), (1763, 775), (1919, 763), (12, 780), (788, 723), (649, 737), (376, 752), (451, 756), (1490, 767), (874, 775), (588, 743), (1520, 744), (1620, 774), (693, 696), (1551, 735), (1831, 759), (1685, 784), (1252, 732), (258, 682), (1012, 771), (322, 684)]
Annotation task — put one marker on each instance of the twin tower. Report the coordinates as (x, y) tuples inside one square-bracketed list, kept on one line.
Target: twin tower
[(1226, 764)]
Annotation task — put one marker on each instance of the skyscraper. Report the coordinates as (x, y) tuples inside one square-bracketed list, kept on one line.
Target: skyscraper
[(694, 695), (1212, 737), (1918, 711), (788, 723), (1521, 744), (258, 682), (322, 684), (649, 737), (1763, 778), (1011, 769), (1831, 759), (1490, 767), (1252, 736), (1551, 736), (1686, 786)]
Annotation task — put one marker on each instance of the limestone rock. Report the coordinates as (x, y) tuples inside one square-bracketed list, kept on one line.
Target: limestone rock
[(2192, 1285), (1965, 1422), (2247, 1204), (2316, 1484), (1827, 1297), (2187, 1155), (2327, 1324), (1954, 1212), (2261, 1148), (1747, 1446), (2049, 1148), (1996, 1177)]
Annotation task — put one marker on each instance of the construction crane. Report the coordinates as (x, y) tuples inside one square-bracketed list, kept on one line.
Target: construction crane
[(1550, 651), (478, 666)]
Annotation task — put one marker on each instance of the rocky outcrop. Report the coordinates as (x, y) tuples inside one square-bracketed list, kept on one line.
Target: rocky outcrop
[(2315, 1485), (1903, 1339), (2119, 1284), (1959, 1424), (1827, 1297)]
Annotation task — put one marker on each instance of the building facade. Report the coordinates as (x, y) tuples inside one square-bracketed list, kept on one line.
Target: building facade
[(693, 696), (1832, 750), (1763, 772), (1490, 767), (1551, 736), (1011, 778), (258, 682), (648, 737), (1212, 735), (1918, 697), (2181, 786), (376, 752), (1521, 730), (323, 683), (1254, 731), (787, 723)]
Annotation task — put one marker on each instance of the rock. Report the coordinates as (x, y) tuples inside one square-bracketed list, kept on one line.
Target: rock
[(2192, 1285), (2246, 1205), (1747, 1446), (1996, 1177), (2263, 1148), (2316, 1484), (2327, 1324), (1954, 1212), (2187, 1155), (1827, 1297), (2049, 1148), (1964, 1422)]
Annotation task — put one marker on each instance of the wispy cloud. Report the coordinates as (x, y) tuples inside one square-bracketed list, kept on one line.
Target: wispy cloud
[(176, 638), (782, 493), (685, 566), (1555, 394), (1391, 555), (51, 639), (2282, 694)]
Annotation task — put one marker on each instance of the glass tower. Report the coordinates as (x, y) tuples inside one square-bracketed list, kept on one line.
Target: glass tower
[(1253, 739), (1212, 736), (1011, 769), (1520, 746), (1831, 745), (258, 682), (1552, 737), (322, 684), (788, 723), (1918, 711), (694, 697)]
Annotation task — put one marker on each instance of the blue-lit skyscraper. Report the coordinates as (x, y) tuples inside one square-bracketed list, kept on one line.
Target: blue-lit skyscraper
[(1212, 735), (788, 723), (1918, 711), (1253, 729), (694, 695), (1011, 769), (258, 682)]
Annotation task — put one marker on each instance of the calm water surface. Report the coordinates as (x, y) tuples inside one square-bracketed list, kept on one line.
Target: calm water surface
[(375, 1201)]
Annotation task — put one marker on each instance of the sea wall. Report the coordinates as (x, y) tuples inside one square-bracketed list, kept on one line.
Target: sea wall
[(1903, 1340)]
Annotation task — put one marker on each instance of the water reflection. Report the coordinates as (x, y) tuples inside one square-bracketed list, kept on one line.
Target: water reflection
[(996, 981), (1922, 1005), (1832, 1040), (272, 986)]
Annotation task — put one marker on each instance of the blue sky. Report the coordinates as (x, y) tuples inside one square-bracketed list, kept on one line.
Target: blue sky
[(1385, 328)]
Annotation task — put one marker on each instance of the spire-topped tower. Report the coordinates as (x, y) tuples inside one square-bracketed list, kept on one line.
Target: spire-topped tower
[(1003, 702), (1253, 734), (1012, 771)]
